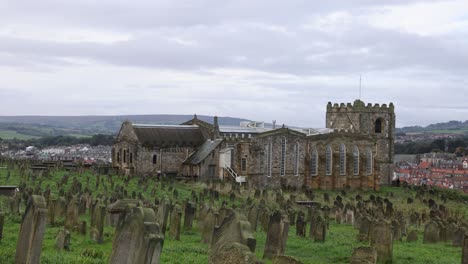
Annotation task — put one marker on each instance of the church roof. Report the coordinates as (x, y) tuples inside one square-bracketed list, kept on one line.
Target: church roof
[(168, 135), (203, 152)]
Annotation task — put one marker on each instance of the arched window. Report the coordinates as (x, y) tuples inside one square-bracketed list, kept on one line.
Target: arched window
[(268, 151), (118, 156), (131, 158), (155, 159), (355, 160), (369, 161), (342, 159), (125, 156), (328, 161), (296, 159), (378, 126), (314, 163)]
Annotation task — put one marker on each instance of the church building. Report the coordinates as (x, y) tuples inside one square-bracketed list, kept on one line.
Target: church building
[(355, 150)]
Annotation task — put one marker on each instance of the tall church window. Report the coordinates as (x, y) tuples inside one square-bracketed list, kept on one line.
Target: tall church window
[(342, 159), (131, 158), (296, 159), (268, 161), (328, 161), (118, 156), (243, 164), (314, 162), (155, 159), (369, 161), (283, 157), (125, 156), (378, 126), (356, 160)]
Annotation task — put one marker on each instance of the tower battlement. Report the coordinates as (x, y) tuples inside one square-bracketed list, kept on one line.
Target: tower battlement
[(359, 106)]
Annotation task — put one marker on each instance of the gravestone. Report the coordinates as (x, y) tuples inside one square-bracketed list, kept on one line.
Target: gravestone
[(2, 222), (350, 217), (97, 222), (163, 214), (29, 245), (232, 240), (71, 220), (138, 238), (364, 255), (189, 215), (253, 217), (364, 228), (277, 235), (62, 242), (209, 223), (301, 224), (174, 228), (412, 236), (382, 241), (465, 250), (431, 233)]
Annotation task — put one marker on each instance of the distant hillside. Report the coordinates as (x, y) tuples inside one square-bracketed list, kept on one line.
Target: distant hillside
[(448, 127), (26, 127)]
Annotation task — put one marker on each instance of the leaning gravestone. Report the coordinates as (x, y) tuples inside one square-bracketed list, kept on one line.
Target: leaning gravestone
[(277, 235), (138, 238), (97, 222), (189, 215), (232, 241), (29, 245), (382, 240)]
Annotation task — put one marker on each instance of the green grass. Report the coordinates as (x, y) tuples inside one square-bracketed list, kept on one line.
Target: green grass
[(11, 134), (338, 247)]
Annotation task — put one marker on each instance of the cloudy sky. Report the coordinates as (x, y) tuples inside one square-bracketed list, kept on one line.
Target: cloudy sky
[(256, 59)]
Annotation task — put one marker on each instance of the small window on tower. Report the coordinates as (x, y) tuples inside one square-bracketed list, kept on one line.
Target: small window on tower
[(378, 126)]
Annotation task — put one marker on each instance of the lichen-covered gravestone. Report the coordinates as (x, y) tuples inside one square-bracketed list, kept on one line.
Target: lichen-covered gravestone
[(97, 222), (138, 238), (465, 250), (277, 235), (174, 228), (232, 241), (382, 240), (29, 245), (62, 241), (364, 255), (431, 233)]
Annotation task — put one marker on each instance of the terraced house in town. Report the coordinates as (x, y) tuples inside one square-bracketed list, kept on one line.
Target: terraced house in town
[(355, 149)]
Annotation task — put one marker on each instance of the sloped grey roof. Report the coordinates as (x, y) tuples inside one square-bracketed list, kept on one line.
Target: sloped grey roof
[(203, 152), (168, 136)]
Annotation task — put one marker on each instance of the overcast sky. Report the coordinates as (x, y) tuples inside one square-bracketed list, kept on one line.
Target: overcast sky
[(256, 59)]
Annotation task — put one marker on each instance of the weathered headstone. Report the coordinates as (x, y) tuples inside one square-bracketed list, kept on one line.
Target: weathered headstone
[(301, 224), (97, 222), (62, 241), (277, 235), (163, 214), (29, 245), (412, 236), (232, 241), (189, 215), (431, 232), (364, 228), (138, 238), (382, 241), (174, 228), (364, 255), (71, 220)]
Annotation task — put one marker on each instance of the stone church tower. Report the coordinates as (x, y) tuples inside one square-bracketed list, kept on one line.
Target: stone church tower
[(375, 121)]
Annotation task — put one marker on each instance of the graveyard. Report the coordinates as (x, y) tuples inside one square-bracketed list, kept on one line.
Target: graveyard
[(63, 215)]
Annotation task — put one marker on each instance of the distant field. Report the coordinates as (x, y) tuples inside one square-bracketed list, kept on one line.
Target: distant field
[(11, 134), (448, 131)]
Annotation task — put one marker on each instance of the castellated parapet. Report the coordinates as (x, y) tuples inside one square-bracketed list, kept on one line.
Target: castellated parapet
[(359, 106)]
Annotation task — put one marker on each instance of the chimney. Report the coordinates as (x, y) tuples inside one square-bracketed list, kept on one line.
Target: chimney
[(274, 124)]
